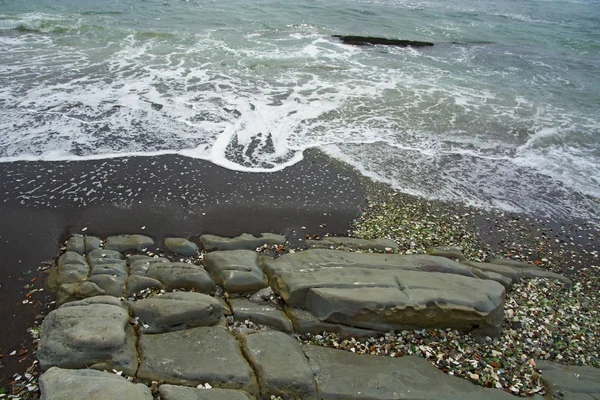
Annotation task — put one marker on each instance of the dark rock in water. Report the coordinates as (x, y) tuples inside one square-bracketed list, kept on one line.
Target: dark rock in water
[(367, 40)]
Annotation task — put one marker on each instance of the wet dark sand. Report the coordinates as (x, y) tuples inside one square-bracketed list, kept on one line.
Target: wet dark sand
[(44, 203)]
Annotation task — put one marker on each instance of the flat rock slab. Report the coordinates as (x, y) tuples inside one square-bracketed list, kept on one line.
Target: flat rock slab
[(262, 314), (570, 382), (107, 262), (172, 392), (77, 291), (86, 384), (111, 285), (453, 253), (76, 243), (305, 322), (237, 271), (92, 333), (345, 375), (243, 242), (128, 242), (72, 268), (181, 246), (194, 356), (171, 275), (176, 311), (280, 365), (383, 245)]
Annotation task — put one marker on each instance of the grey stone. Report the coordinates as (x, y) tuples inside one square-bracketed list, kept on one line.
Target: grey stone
[(305, 322), (493, 276), (512, 273), (88, 384), (354, 243), (261, 314), (128, 242), (89, 334), (243, 242), (280, 365), (176, 275), (453, 253), (103, 256), (176, 311), (172, 392), (345, 375), (421, 300), (194, 356), (181, 246), (72, 268), (135, 283), (76, 291), (118, 269), (141, 263), (570, 382), (237, 271), (92, 243), (530, 273), (111, 285), (512, 263), (107, 262), (76, 244), (225, 309)]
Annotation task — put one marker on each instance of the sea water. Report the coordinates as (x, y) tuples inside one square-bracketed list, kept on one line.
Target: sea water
[(502, 112)]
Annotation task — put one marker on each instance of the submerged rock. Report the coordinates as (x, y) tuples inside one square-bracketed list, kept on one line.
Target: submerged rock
[(369, 40)]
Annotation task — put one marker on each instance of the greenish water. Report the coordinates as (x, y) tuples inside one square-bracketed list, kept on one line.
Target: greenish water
[(502, 112)]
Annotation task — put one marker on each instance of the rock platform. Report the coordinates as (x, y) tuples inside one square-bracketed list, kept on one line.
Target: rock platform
[(183, 332)]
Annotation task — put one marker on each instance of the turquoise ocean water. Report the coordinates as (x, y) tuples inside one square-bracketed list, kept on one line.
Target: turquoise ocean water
[(503, 112)]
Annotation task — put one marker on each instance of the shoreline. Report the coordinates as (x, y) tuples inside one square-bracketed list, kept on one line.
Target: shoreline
[(171, 195)]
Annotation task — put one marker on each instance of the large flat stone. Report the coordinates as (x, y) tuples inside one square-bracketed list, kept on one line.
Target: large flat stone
[(570, 382), (128, 242), (174, 275), (111, 285), (72, 268), (261, 314), (176, 311), (76, 291), (511, 273), (181, 246), (172, 392), (92, 333), (305, 322), (193, 356), (135, 283), (76, 243), (243, 242), (280, 365), (421, 300), (88, 384), (237, 271), (343, 375)]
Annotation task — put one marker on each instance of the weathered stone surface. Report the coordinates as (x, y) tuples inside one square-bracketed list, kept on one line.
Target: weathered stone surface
[(135, 283), (261, 314), (453, 253), (511, 273), (570, 382), (305, 322), (76, 244), (193, 356), (181, 246), (172, 392), (243, 242), (180, 275), (92, 243), (88, 384), (345, 375), (128, 242), (72, 268), (364, 244), (280, 365), (237, 271), (111, 285), (421, 300), (530, 273), (493, 276), (92, 333), (107, 262), (176, 311), (76, 291), (140, 263)]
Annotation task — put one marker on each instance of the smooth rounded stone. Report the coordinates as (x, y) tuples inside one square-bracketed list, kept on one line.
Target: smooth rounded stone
[(313, 259), (305, 322), (118, 269), (512, 273), (493, 276), (181, 246), (383, 245), (512, 263), (112, 285), (530, 273), (86, 384), (76, 244), (280, 365), (570, 382), (453, 253), (172, 392), (135, 283), (141, 263), (243, 242), (421, 300), (237, 271), (345, 375), (100, 256), (178, 275), (225, 309), (176, 311), (92, 333), (92, 243), (194, 356), (72, 268), (261, 314), (76, 291), (128, 242)]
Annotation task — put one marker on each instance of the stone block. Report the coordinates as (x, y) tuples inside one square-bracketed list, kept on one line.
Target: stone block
[(92, 243), (177, 275), (570, 382), (76, 244), (305, 322), (181, 246), (135, 283), (453, 253), (76, 291), (172, 392), (128, 242), (111, 285), (72, 268), (512, 273), (237, 271), (243, 242), (261, 314)]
